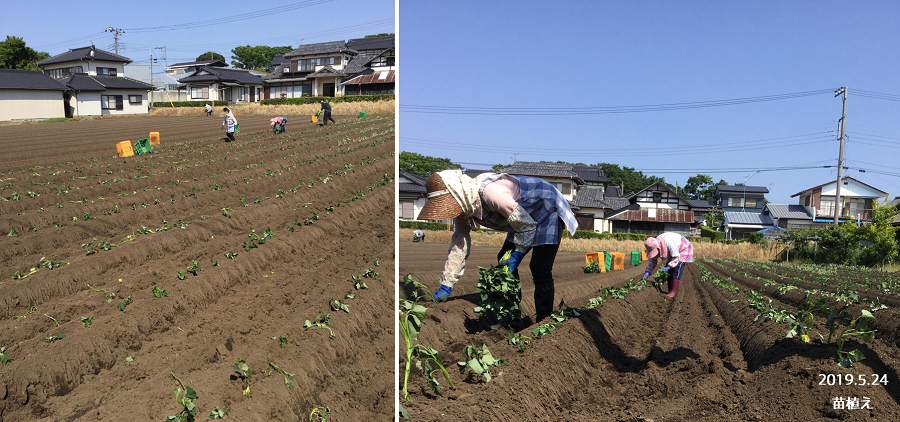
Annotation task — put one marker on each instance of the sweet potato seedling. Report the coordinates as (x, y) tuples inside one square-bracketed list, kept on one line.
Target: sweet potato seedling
[(500, 292), (282, 340), (318, 414), (53, 337), (518, 340), (194, 268), (478, 361), (287, 376), (322, 321), (106, 295), (158, 293), (4, 358), (338, 306), (244, 369), (125, 303), (217, 413), (182, 275), (186, 401), (230, 255), (592, 267)]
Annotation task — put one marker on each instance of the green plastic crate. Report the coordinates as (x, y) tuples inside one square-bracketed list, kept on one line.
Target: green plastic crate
[(635, 258), (142, 146), (362, 114), (608, 260)]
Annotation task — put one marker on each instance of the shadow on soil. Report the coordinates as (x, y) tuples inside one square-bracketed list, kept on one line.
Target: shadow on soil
[(621, 360)]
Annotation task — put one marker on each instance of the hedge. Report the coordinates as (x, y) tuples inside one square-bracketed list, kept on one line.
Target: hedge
[(333, 100), (422, 225), (713, 235), (187, 103)]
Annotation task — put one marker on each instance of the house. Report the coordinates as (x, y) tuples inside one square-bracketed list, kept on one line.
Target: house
[(180, 69), (654, 210), (223, 84), (560, 175), (741, 198), (789, 216), (372, 71), (856, 196), (315, 70), (96, 83), (30, 94), (739, 225), (412, 195)]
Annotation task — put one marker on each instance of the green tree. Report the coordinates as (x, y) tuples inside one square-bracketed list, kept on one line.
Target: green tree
[(211, 55), (880, 236), (14, 54), (632, 180), (701, 186), (423, 165), (258, 57), (379, 35)]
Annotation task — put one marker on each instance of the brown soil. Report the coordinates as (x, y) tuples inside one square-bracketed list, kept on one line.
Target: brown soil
[(697, 357), (225, 312)]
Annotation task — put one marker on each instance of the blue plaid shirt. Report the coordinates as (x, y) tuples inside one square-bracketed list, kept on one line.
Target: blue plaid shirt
[(541, 200)]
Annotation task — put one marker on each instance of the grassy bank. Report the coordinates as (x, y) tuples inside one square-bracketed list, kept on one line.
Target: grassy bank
[(705, 250), (256, 109)]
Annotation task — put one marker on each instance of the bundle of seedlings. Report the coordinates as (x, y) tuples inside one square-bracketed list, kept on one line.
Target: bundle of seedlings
[(500, 294), (592, 267)]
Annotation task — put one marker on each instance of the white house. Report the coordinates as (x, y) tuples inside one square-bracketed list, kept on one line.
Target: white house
[(856, 197), (373, 70), (96, 82), (412, 195), (30, 95), (223, 84), (320, 67)]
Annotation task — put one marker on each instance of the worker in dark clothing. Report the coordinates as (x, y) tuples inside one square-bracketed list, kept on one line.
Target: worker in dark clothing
[(327, 108)]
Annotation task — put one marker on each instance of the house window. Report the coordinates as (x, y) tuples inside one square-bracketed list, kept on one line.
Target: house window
[(64, 72), (383, 61), (750, 202), (827, 206), (111, 102), (657, 196), (736, 202), (200, 92), (305, 65), (406, 210), (107, 71), (856, 206), (135, 99), (322, 61)]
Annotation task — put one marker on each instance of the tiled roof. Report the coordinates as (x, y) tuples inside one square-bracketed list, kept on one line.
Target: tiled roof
[(702, 203), (663, 215), (417, 185), (754, 218), (372, 43), (83, 53), (741, 189), (617, 203), (590, 197), (358, 64), (321, 48), (613, 192), (325, 72), (797, 211), (82, 82), (590, 174), (200, 63), (120, 82), (220, 74), (28, 79), (527, 168), (474, 173), (280, 60)]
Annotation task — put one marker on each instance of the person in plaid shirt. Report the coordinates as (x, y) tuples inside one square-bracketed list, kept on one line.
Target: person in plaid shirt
[(676, 250), (531, 211)]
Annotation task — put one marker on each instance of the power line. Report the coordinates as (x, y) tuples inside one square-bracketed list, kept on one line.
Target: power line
[(531, 111), (275, 11)]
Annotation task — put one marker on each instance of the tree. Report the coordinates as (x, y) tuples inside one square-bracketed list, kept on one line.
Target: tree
[(14, 54), (632, 180), (379, 35), (211, 55), (701, 186), (422, 165), (258, 57), (880, 235)]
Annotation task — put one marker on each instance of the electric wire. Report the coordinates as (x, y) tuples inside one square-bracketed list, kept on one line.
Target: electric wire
[(229, 19)]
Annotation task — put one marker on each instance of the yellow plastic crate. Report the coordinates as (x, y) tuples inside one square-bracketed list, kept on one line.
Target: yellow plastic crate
[(124, 149), (154, 138), (618, 261)]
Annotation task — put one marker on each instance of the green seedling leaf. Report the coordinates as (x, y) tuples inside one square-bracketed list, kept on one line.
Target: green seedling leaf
[(242, 367), (125, 303), (287, 376), (4, 358), (130, 358), (182, 275), (318, 414), (349, 296), (52, 338), (282, 340), (217, 413), (157, 292)]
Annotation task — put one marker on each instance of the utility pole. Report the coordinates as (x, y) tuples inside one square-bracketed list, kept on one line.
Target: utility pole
[(116, 32), (151, 66), (165, 55), (838, 206)]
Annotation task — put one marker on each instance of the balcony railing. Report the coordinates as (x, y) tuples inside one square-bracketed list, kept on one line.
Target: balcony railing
[(857, 214)]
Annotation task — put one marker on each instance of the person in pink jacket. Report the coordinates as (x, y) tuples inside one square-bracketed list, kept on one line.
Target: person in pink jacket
[(676, 250)]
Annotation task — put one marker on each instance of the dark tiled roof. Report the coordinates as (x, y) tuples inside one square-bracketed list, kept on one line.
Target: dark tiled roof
[(373, 43), (613, 192), (617, 203), (325, 72), (527, 168), (590, 174), (741, 189), (280, 60), (788, 211), (475, 173), (83, 53), (414, 178), (28, 79), (321, 48), (702, 203), (119, 82), (417, 184), (358, 64), (217, 63), (219, 74), (83, 82), (590, 197)]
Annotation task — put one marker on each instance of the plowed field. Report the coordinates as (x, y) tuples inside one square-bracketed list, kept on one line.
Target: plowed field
[(124, 226), (700, 356)]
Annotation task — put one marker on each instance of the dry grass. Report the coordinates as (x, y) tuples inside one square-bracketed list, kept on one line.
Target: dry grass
[(256, 109), (705, 250)]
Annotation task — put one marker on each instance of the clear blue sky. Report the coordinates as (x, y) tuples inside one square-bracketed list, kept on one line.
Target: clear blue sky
[(56, 26), (547, 56)]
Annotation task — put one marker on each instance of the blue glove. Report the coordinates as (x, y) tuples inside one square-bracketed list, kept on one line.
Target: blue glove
[(442, 294), (513, 262), (666, 268), (646, 274)]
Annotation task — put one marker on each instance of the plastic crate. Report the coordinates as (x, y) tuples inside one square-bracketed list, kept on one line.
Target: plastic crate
[(594, 257), (154, 138), (618, 261), (362, 114), (635, 258), (315, 119), (643, 255), (606, 260), (142, 146), (124, 149)]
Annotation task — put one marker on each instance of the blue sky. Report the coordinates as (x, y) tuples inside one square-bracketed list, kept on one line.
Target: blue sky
[(542, 56), (56, 26)]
